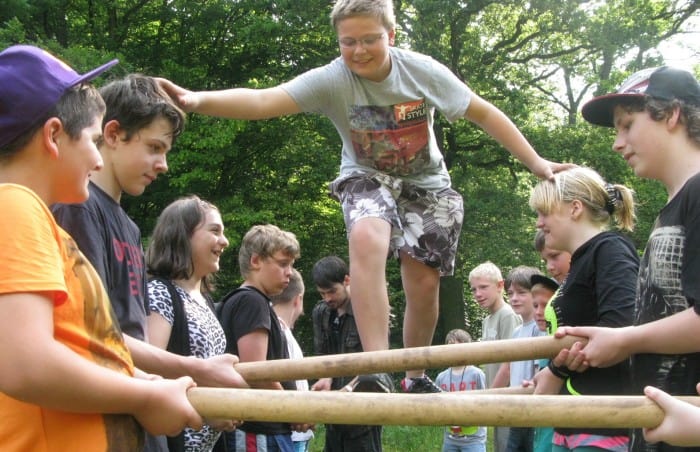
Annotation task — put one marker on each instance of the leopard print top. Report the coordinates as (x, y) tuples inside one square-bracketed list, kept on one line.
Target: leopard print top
[(207, 339)]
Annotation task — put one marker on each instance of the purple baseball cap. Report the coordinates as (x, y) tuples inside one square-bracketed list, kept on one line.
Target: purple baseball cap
[(664, 83), (31, 82)]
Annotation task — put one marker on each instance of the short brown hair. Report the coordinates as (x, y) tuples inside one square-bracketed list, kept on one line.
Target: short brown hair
[(265, 240), (457, 336)]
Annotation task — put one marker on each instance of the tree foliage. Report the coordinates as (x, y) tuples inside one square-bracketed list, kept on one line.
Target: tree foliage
[(537, 60)]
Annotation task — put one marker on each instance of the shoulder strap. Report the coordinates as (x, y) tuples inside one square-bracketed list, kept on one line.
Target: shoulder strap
[(223, 312), (179, 342), (222, 308)]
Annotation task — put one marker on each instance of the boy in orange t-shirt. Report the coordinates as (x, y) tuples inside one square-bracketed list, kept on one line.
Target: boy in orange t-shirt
[(67, 381)]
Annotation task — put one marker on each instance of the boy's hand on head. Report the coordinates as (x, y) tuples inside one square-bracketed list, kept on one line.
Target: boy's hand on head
[(544, 169), (679, 426), (167, 410), (186, 99), (218, 371)]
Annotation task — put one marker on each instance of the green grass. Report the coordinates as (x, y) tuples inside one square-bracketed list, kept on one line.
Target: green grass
[(396, 438)]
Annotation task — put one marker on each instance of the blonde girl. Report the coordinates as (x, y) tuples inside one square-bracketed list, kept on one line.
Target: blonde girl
[(575, 211)]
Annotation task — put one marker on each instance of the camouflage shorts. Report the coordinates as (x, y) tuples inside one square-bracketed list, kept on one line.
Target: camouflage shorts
[(424, 224)]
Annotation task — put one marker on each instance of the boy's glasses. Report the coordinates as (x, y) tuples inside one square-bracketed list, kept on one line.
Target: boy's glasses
[(366, 42)]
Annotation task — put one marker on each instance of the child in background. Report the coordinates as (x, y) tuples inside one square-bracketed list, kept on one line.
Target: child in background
[(253, 331), (543, 289), (486, 284), (68, 380), (518, 286), (557, 262), (462, 378), (574, 211), (289, 306)]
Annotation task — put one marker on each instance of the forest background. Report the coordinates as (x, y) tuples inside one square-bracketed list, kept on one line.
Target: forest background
[(537, 60)]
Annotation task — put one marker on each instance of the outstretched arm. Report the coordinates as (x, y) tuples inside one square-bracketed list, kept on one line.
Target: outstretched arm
[(501, 128), (677, 334), (235, 103), (217, 371)]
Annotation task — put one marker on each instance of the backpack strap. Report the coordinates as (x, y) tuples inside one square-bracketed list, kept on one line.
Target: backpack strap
[(223, 312), (179, 342)]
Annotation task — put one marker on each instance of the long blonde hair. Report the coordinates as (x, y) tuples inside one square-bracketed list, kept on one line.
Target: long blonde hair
[(603, 201)]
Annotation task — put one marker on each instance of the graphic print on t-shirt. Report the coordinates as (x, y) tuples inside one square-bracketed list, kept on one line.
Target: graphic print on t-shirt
[(660, 275), (393, 139), (105, 338), (660, 296), (105, 342), (131, 256)]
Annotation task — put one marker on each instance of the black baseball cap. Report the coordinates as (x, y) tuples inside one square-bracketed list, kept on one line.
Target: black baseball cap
[(546, 281), (664, 83)]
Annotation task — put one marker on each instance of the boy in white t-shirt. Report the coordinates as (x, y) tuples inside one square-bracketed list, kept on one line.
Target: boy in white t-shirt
[(289, 306)]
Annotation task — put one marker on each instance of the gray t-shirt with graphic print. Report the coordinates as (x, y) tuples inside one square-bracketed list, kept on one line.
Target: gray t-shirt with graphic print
[(387, 126)]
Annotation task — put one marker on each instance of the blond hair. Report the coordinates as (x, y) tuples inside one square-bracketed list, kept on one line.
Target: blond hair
[(603, 201), (382, 10), (487, 270)]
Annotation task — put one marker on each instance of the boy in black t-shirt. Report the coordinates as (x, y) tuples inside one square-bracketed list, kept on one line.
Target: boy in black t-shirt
[(253, 332), (656, 113), (140, 126)]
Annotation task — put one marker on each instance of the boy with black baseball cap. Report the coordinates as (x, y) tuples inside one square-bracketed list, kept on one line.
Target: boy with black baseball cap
[(656, 113), (67, 381)]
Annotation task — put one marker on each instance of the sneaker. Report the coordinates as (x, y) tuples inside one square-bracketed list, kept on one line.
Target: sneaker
[(419, 385), (374, 383)]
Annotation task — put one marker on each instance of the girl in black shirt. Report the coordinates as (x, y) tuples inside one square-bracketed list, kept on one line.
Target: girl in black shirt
[(574, 211)]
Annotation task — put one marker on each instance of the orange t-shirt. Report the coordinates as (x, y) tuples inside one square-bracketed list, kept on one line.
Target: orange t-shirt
[(39, 256)]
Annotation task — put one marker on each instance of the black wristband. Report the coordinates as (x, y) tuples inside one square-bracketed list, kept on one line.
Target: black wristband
[(561, 372)]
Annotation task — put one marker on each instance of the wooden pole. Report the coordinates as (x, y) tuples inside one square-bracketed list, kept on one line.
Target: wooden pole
[(449, 408), (399, 360)]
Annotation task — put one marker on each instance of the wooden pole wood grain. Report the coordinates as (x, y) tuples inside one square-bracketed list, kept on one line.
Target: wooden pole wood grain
[(399, 360), (448, 408)]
